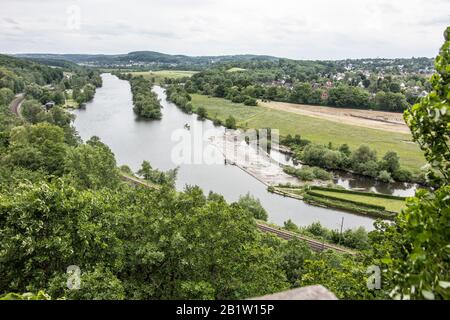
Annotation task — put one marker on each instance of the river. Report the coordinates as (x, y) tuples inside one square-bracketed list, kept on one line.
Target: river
[(110, 116)]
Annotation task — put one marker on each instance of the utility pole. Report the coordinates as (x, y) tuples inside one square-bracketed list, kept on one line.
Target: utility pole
[(340, 234)]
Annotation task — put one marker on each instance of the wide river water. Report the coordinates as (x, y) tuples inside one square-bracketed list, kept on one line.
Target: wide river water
[(110, 116)]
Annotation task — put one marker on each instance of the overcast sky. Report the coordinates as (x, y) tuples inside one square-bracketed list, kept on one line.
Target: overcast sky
[(313, 29)]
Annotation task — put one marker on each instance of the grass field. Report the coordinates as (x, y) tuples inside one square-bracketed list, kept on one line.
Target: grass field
[(235, 69), (390, 204), (70, 103), (314, 129), (161, 75)]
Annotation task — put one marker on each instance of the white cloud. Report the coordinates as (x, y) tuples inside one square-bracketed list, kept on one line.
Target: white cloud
[(318, 29)]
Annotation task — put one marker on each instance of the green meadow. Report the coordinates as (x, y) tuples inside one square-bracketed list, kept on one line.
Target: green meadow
[(314, 129)]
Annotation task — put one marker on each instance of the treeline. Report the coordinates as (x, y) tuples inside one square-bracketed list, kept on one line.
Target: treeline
[(145, 101), (180, 97), (46, 84), (363, 160), (16, 73), (358, 91), (307, 173)]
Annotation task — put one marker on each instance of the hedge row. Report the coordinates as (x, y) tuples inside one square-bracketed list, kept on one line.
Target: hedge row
[(370, 194)]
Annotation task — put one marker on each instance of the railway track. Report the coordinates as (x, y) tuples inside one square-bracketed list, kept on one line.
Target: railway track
[(313, 244), (16, 103)]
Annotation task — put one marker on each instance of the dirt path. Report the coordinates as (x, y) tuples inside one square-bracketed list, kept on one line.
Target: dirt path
[(381, 120)]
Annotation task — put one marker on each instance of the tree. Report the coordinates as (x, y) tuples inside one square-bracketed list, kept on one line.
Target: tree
[(345, 149), (253, 206), (414, 252), (363, 154), (291, 226), (230, 122), (385, 176), (219, 91), (390, 162), (92, 165), (301, 93), (132, 242), (294, 253), (167, 178), (32, 111), (37, 147), (146, 170), (394, 87), (429, 119), (202, 113), (249, 101), (55, 225), (342, 275), (390, 101), (6, 96)]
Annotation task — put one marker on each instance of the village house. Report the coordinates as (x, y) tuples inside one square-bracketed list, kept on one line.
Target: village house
[(48, 105)]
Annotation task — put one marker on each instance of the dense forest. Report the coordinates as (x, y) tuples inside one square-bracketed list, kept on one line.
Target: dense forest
[(63, 202)]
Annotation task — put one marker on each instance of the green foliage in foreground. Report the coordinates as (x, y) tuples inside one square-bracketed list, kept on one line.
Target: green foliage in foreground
[(429, 120), (151, 244), (415, 251), (254, 206), (41, 295)]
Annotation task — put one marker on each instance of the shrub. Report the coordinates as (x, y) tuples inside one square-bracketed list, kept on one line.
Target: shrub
[(307, 173), (230, 122), (402, 175), (322, 174), (202, 113), (385, 176), (253, 206), (249, 101)]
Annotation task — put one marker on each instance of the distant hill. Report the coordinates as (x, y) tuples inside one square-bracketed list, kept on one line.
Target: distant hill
[(138, 59), (151, 60)]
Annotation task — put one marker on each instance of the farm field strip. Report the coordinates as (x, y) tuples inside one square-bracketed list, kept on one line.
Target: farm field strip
[(162, 74), (381, 120), (390, 204)]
